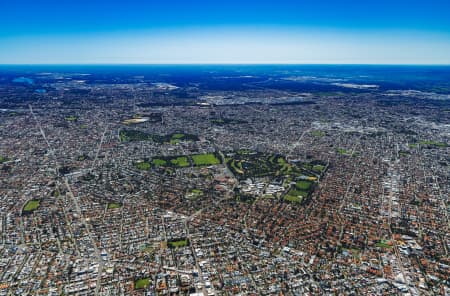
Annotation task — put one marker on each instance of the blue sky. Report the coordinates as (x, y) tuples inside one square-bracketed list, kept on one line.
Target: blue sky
[(278, 31)]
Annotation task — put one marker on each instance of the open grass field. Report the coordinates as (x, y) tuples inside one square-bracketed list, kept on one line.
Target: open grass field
[(142, 283), (142, 165), (303, 185), (31, 205), (180, 161), (176, 138), (205, 159), (159, 162), (433, 143), (295, 199), (113, 205), (295, 195), (178, 243), (383, 244), (318, 168)]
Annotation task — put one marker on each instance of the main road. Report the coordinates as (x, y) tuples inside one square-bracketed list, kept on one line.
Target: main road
[(75, 202)]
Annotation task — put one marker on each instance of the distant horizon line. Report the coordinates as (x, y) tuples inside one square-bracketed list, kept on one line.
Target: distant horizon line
[(223, 64)]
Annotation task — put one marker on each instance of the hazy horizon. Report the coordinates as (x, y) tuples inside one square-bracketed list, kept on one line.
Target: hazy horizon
[(232, 32)]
